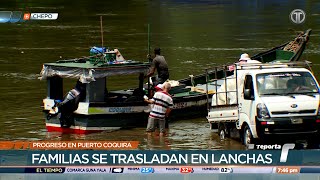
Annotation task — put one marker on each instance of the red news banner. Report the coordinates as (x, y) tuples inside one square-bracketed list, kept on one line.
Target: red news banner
[(62, 145)]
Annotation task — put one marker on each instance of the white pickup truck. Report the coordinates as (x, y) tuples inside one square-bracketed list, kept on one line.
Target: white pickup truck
[(265, 101)]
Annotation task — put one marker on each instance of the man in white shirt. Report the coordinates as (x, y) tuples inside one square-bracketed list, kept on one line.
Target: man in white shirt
[(162, 105)]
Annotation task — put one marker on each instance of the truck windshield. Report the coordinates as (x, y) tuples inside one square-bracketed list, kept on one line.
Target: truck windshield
[(285, 83)]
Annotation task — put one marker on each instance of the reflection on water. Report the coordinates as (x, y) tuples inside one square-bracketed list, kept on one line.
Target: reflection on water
[(192, 34)]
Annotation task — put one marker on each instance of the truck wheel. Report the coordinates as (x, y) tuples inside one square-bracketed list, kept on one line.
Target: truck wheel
[(223, 132), (247, 136)]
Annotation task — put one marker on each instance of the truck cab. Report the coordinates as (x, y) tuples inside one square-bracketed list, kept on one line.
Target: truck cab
[(270, 101)]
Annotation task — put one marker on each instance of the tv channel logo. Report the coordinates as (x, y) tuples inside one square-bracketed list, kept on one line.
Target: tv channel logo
[(284, 149), (297, 16)]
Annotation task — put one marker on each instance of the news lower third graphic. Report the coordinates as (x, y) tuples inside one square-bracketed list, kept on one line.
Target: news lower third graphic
[(124, 157), (163, 170), (19, 16)]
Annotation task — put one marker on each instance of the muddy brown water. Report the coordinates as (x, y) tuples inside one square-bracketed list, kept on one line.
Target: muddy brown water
[(192, 35)]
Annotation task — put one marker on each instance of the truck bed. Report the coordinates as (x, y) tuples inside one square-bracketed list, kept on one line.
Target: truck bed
[(223, 114)]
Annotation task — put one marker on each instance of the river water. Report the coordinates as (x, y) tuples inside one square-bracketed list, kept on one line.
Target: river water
[(192, 35)]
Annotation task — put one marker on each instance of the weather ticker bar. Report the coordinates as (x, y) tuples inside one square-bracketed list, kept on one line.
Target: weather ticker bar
[(161, 170), (19, 16)]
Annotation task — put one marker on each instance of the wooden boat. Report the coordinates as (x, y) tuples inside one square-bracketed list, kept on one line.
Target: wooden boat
[(97, 109), (290, 51), (193, 103)]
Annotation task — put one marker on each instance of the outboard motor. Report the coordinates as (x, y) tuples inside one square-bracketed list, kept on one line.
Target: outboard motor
[(70, 103)]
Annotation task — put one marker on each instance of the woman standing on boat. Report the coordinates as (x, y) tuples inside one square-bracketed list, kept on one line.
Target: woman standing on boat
[(161, 65), (162, 104)]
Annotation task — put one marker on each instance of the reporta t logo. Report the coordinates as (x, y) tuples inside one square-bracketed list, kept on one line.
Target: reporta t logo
[(284, 149)]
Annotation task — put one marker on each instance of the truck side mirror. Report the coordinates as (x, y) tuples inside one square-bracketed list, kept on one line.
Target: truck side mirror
[(248, 95)]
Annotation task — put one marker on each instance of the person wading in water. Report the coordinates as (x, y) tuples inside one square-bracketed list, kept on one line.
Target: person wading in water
[(162, 105)]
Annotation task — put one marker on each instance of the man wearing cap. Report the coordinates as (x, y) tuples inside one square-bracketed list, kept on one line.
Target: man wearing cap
[(161, 65)]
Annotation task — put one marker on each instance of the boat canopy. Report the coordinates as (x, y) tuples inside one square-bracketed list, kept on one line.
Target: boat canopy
[(87, 72)]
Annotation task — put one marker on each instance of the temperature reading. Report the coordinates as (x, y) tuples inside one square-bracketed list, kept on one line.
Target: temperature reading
[(225, 170), (186, 170), (147, 170)]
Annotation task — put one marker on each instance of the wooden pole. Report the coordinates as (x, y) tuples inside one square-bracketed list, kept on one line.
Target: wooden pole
[(149, 39), (101, 29), (149, 85), (207, 81)]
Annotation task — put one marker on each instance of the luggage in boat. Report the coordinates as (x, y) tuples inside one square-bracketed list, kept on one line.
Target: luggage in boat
[(96, 50), (96, 54), (101, 55)]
